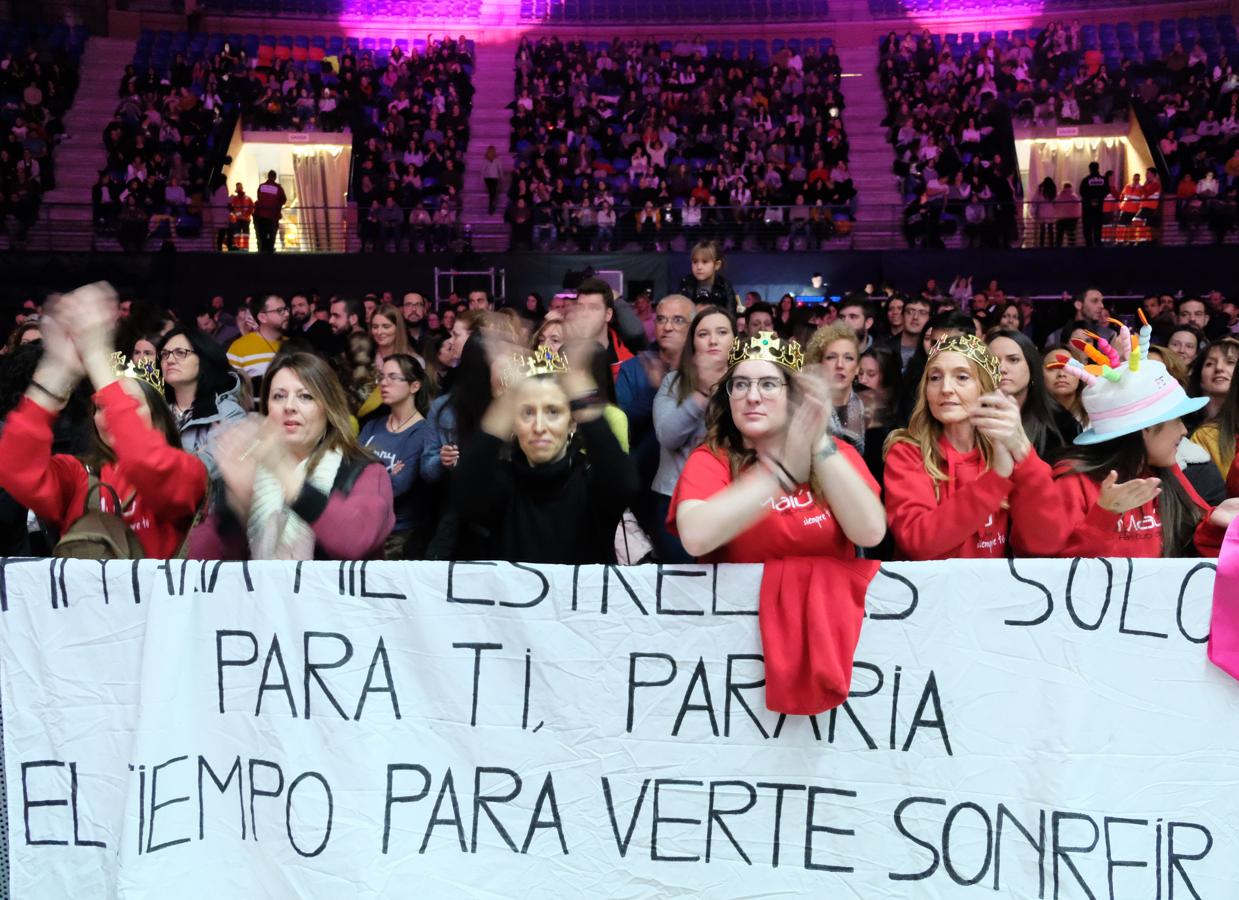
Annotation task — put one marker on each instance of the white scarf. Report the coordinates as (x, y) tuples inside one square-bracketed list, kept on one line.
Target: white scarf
[(274, 530)]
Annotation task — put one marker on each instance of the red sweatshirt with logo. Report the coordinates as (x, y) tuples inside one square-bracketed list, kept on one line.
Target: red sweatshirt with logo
[(1070, 523), (160, 487), (964, 517)]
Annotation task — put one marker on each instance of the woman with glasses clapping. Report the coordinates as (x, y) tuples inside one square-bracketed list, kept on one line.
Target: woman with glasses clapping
[(771, 482), (203, 391)]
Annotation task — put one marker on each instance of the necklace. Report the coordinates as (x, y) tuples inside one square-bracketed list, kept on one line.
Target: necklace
[(401, 426)]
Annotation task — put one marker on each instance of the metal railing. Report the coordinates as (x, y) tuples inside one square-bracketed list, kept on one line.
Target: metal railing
[(58, 227)]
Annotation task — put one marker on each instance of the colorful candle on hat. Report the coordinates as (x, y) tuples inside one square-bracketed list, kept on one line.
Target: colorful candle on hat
[(1146, 335), (1122, 342), (1092, 352), (1078, 367), (1112, 355)]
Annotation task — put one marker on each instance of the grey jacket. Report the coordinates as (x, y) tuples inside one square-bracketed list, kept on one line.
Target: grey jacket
[(680, 427), (197, 435)]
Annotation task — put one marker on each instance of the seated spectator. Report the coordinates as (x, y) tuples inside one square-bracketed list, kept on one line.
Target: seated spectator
[(664, 145)]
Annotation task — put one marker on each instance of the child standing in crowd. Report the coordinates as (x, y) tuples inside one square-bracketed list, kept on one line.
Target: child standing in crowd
[(706, 283)]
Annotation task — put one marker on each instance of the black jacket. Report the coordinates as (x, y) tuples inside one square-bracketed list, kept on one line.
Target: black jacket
[(721, 293), (563, 512)]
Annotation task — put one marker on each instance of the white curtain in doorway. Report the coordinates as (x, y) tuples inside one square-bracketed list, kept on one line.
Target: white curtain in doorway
[(322, 180), (1068, 161)]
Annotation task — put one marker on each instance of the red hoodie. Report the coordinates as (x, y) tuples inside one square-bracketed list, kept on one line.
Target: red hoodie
[(166, 484), (1069, 523), (967, 518)]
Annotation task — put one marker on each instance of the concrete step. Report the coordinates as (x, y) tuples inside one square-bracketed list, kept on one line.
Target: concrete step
[(78, 161)]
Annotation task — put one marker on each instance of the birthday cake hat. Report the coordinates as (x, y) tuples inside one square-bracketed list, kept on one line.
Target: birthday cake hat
[(1125, 391)]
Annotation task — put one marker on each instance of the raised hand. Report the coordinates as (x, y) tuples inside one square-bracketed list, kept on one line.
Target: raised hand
[(234, 453), (997, 416), (89, 314), (59, 350), (808, 423), (1119, 498)]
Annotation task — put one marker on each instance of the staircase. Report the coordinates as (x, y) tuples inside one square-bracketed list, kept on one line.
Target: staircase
[(493, 81), (871, 157), (80, 157)]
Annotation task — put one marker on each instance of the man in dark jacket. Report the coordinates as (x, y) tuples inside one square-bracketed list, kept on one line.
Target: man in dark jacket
[(1093, 191), (267, 211)]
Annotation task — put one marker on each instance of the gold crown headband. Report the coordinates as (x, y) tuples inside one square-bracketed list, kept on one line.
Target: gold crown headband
[(126, 368), (543, 361), (972, 347), (766, 346)]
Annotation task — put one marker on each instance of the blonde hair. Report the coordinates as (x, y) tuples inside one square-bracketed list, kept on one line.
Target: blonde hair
[(827, 335), (925, 432), (1173, 363), (552, 320)]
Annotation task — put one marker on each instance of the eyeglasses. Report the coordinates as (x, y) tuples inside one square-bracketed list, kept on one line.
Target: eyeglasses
[(393, 379), (177, 353), (677, 321), (276, 309), (738, 388)]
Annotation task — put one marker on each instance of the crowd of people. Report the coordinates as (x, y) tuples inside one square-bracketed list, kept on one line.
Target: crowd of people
[(630, 143), (705, 426), (408, 113), (1195, 97), (949, 106), (945, 119), (409, 149), (38, 80)]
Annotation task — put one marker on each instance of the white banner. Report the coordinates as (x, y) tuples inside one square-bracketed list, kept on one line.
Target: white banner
[(1046, 729)]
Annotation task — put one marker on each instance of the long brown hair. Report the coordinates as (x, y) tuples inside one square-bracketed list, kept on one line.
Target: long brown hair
[(1227, 422), (1127, 456), (325, 388), (722, 433), (686, 372), (162, 421), (391, 313), (925, 432)]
